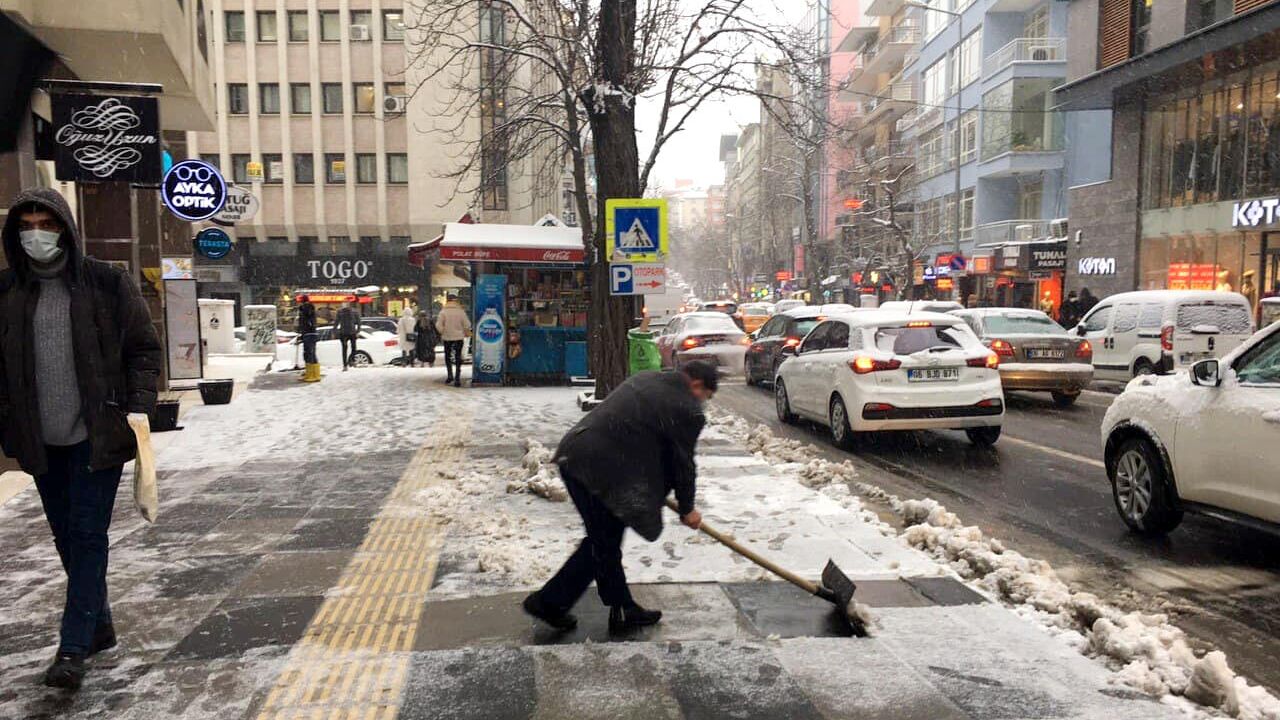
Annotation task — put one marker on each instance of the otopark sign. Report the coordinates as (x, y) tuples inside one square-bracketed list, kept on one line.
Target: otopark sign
[(193, 190)]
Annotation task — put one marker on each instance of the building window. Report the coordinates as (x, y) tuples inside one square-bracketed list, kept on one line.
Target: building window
[(1203, 13), (392, 24), (969, 137), (364, 97), (366, 168), (335, 168), (397, 168), (275, 246), (1037, 24), (1018, 119), (269, 98), (935, 21), (212, 158), (233, 22), (240, 167), (966, 214), (267, 30), (330, 26), (493, 109), (361, 25), (933, 83), (965, 60), (273, 167), (1030, 199), (238, 99), (332, 93), (336, 245), (299, 27), (304, 168), (1141, 26), (300, 98), (202, 35), (396, 88)]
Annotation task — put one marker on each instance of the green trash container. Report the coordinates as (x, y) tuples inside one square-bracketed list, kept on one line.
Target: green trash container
[(643, 351)]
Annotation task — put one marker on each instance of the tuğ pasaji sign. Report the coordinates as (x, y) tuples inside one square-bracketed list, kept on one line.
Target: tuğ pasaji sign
[(106, 139)]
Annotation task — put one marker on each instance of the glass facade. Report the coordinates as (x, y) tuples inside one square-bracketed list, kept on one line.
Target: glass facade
[(1206, 262), (1214, 142)]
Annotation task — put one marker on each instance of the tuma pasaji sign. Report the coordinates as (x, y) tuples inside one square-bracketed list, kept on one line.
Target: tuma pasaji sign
[(106, 139), (194, 190)]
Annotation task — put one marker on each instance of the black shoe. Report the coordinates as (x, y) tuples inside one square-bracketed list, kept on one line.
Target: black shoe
[(558, 620), (629, 617), (457, 383), (104, 638), (67, 671)]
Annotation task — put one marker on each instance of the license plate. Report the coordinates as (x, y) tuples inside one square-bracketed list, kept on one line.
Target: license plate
[(933, 374), (1045, 354), (1189, 358)]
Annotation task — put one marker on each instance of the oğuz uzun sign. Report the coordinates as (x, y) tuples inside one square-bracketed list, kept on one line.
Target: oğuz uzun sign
[(106, 139)]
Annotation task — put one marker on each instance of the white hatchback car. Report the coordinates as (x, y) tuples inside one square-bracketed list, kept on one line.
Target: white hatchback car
[(1205, 441), (892, 371)]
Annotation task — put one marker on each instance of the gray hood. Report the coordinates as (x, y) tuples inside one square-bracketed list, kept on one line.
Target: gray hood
[(52, 201)]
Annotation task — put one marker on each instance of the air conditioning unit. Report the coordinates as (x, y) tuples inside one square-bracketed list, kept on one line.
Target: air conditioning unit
[(1043, 53), (1023, 233), (1058, 228), (394, 104), (360, 32)]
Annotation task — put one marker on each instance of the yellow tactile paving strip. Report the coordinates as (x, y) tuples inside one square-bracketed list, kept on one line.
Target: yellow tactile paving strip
[(353, 658)]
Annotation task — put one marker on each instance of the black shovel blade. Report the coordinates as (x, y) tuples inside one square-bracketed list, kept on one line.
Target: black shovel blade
[(839, 590)]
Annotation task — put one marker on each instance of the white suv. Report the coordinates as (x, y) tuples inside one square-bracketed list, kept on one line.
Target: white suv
[(1204, 441), (892, 371)]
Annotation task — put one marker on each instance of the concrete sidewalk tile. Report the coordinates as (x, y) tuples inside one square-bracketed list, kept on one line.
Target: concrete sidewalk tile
[(603, 682), (779, 608), (889, 593), (238, 625), (470, 684), (327, 534), (294, 573), (186, 577), (736, 680), (945, 591), (158, 625), (238, 536)]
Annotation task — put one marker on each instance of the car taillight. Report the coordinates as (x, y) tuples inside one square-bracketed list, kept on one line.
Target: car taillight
[(1166, 338), (863, 365), (1002, 348), (792, 342), (746, 340), (990, 360), (390, 343), (690, 343), (1084, 350), (919, 324)]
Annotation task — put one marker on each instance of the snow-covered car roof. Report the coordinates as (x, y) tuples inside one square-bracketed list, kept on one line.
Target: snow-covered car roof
[(889, 318), (1166, 295)]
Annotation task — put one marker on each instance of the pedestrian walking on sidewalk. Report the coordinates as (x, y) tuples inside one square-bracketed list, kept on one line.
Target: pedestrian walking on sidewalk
[(347, 328), (407, 333), (78, 357), (424, 346), (454, 327), (307, 334), (618, 465)]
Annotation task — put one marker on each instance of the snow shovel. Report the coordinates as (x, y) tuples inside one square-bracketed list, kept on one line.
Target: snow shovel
[(836, 587)]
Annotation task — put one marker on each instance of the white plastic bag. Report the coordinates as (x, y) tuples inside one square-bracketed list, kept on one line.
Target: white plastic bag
[(145, 495)]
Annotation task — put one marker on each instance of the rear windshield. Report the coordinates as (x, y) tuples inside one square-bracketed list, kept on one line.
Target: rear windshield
[(1021, 324), (756, 311), (728, 308), (909, 340), (1229, 319), (711, 324)]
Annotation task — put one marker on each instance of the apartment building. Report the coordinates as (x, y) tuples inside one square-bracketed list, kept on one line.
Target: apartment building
[(326, 112), (1175, 182)]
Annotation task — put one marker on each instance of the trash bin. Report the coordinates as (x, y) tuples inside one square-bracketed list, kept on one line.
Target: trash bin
[(165, 417), (216, 392)]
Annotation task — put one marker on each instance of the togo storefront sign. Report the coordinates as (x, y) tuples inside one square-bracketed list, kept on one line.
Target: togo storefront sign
[(338, 272), (101, 139), (1252, 213)]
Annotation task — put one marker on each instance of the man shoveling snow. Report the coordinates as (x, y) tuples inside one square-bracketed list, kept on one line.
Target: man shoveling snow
[(618, 465)]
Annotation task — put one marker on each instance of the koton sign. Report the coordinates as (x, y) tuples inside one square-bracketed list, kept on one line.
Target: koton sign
[(338, 272), (514, 255), (1252, 213)]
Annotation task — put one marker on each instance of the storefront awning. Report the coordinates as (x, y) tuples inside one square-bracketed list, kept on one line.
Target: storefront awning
[(418, 252), (512, 243)]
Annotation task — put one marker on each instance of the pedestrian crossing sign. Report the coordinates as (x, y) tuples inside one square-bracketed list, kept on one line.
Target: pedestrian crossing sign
[(636, 230)]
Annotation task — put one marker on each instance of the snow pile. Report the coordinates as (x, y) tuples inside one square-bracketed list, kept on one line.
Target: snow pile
[(545, 478), (1145, 651)]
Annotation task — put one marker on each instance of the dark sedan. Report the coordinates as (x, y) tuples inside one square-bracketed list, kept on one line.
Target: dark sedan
[(783, 330), (1035, 352)]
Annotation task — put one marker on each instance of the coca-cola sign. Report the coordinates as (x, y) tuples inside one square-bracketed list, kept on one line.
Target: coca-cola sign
[(106, 139), (511, 254)]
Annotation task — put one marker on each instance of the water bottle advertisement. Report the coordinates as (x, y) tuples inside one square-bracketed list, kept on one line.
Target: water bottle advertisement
[(490, 329)]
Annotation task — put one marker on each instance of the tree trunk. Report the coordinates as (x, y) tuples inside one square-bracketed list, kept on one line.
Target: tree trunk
[(613, 126)]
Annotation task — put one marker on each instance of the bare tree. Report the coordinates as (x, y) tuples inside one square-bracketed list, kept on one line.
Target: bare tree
[(557, 80)]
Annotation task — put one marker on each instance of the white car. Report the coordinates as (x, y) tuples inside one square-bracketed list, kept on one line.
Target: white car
[(710, 336), (1205, 441), (374, 347), (892, 371), (784, 305), (919, 306)]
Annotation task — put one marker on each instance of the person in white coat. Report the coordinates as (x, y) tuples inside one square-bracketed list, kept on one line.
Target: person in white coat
[(405, 328)]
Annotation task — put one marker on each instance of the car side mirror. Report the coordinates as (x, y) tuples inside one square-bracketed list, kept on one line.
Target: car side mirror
[(1080, 330), (789, 351), (1206, 373)]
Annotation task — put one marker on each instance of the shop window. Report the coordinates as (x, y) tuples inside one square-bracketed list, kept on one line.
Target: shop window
[(332, 95), (392, 25), (269, 98), (266, 22), (300, 98), (299, 26), (304, 168), (233, 25), (237, 99), (366, 168), (364, 97), (330, 26)]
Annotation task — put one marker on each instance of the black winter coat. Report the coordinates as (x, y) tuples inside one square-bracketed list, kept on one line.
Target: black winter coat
[(118, 352), (347, 323), (306, 318), (637, 446)]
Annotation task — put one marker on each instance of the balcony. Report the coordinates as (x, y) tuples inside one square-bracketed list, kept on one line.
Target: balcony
[(890, 50), (1011, 231), (890, 153), (1026, 50), (857, 38), (891, 101), (883, 8), (907, 121), (858, 83)]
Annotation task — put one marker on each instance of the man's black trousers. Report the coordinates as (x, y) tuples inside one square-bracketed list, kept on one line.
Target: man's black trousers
[(598, 558)]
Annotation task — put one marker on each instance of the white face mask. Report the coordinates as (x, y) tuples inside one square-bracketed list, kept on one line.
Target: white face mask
[(41, 245)]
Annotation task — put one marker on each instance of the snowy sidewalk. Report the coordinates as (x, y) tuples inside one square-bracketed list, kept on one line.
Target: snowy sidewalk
[(359, 549)]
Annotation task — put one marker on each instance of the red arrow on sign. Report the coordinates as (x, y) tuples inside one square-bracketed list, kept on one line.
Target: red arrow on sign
[(652, 284)]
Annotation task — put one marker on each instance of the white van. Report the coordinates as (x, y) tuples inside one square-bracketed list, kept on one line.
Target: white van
[(1160, 331)]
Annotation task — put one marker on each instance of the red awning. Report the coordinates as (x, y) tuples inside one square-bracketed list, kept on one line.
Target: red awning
[(513, 244), (418, 252)]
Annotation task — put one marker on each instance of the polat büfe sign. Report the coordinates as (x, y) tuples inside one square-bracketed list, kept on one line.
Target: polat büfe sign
[(106, 139)]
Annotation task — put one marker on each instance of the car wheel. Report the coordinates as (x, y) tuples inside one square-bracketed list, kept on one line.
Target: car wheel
[(782, 403), (1064, 399), (983, 436), (842, 436), (746, 372), (1140, 488), (1143, 367), (361, 358)]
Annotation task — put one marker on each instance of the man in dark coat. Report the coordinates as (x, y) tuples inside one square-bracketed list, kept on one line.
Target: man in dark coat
[(79, 357), (618, 465), (307, 333), (347, 328), (1069, 314)]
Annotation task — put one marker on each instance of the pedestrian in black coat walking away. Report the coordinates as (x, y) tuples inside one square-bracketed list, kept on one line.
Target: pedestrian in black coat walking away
[(347, 327), (618, 465), (78, 357)]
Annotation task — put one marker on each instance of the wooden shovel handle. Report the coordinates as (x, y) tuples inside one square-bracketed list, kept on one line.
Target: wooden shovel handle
[(806, 585)]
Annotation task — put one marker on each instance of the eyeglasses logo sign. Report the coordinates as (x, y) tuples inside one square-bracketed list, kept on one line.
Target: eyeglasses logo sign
[(194, 190)]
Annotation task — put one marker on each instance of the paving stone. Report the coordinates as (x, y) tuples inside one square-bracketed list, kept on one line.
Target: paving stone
[(295, 573), (471, 684), (945, 591), (889, 593), (604, 682), (158, 625), (743, 681), (781, 609), (327, 534), (238, 625), (209, 575)]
